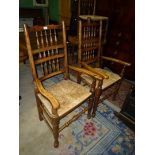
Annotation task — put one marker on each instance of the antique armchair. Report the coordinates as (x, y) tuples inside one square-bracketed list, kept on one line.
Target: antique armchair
[(48, 59), (91, 58)]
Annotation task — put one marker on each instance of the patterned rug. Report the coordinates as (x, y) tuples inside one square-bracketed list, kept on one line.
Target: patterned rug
[(102, 135)]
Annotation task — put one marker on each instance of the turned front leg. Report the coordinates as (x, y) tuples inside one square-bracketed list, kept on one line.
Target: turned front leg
[(91, 99), (55, 123), (90, 105), (40, 112), (98, 93)]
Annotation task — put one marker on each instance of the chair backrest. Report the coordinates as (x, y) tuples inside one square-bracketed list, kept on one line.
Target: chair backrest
[(90, 35), (86, 7), (47, 50)]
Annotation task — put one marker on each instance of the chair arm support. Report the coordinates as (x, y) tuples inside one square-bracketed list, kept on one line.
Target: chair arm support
[(78, 69), (54, 103), (116, 60), (103, 75)]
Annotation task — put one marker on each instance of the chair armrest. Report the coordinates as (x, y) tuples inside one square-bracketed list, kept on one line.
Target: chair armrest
[(116, 60), (78, 69), (103, 75), (54, 103)]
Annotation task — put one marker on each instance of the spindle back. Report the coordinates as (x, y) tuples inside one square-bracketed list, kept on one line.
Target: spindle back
[(90, 35), (47, 50)]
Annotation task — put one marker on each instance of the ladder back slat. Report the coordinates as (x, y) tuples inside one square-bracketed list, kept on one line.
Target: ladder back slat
[(51, 74), (52, 57), (59, 46), (47, 50)]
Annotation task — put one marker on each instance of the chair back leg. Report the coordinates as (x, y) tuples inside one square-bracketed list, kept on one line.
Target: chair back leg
[(117, 89)]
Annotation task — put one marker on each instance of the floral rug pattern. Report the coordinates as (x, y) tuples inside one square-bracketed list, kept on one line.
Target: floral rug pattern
[(102, 135)]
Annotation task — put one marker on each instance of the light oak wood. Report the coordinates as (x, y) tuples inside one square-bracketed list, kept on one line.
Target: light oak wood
[(116, 60), (103, 75), (47, 53)]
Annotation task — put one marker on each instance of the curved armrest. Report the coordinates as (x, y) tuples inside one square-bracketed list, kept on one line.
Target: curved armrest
[(54, 103), (103, 75), (116, 60), (78, 69)]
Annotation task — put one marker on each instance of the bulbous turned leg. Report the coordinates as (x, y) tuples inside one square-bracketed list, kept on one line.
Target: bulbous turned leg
[(98, 92), (90, 105), (56, 131), (91, 99)]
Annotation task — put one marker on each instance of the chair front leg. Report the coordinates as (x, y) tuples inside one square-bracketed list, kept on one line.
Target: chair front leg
[(91, 99), (40, 112), (90, 106), (55, 123), (98, 93)]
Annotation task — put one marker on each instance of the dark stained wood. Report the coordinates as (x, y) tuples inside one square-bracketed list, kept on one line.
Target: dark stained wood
[(30, 12), (121, 33), (127, 113)]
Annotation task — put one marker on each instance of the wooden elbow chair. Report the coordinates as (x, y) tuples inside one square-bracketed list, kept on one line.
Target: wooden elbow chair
[(48, 59), (90, 57)]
